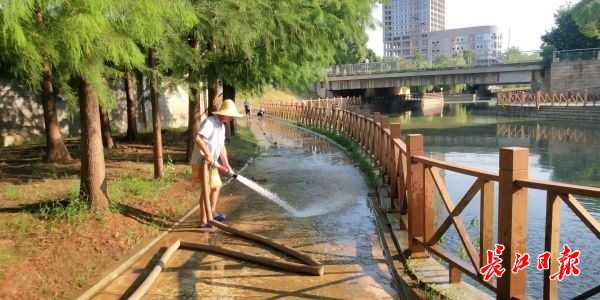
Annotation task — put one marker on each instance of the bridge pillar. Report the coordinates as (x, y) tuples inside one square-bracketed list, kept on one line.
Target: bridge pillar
[(540, 80)]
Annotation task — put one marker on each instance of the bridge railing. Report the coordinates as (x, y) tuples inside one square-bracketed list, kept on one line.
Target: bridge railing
[(412, 178), (411, 66), (576, 54)]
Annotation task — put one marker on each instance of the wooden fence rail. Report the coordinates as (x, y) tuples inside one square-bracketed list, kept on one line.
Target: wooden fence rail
[(522, 98), (412, 178)]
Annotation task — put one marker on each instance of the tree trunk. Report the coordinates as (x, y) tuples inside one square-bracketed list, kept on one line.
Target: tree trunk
[(107, 140), (140, 88), (131, 109), (93, 180), (229, 93), (55, 146), (194, 105), (193, 120), (159, 170), (213, 96)]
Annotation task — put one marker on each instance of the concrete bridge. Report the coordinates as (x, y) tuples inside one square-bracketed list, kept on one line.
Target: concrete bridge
[(566, 75), (529, 72)]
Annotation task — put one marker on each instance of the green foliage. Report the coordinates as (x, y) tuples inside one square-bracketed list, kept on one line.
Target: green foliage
[(135, 186), (586, 14), (514, 54), (13, 193), (72, 210), (566, 34), (455, 88), (243, 145), (547, 54), (425, 89), (470, 56), (251, 44)]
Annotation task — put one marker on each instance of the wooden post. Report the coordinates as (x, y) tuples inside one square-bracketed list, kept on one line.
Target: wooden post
[(393, 165), (385, 147), (512, 220), (375, 137), (551, 244), (416, 195), (486, 227)]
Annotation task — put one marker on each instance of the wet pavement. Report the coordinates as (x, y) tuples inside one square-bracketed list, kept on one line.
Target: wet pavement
[(325, 214)]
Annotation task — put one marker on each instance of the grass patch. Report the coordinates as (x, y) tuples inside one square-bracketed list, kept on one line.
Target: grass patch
[(73, 209), (271, 93), (363, 162), (243, 145), (13, 193), (80, 281), (8, 257), (135, 186)]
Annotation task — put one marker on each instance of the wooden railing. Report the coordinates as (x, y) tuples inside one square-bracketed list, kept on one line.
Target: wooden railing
[(412, 178), (544, 133), (538, 99)]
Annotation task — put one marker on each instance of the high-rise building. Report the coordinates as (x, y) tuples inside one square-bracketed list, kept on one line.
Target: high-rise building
[(407, 25)]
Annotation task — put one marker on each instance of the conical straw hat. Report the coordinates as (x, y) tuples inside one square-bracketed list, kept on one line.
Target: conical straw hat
[(228, 109)]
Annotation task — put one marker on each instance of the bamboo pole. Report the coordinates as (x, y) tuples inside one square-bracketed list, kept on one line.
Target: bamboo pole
[(283, 265), (145, 286), (305, 258)]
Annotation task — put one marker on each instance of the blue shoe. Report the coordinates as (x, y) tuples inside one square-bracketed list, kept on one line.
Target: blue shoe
[(220, 217), (205, 226)]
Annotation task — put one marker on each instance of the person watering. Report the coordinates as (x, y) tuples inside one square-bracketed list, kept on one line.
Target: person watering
[(209, 145), (261, 111)]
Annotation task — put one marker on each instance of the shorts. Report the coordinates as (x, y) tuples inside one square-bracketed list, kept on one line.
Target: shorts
[(214, 179), (247, 110)]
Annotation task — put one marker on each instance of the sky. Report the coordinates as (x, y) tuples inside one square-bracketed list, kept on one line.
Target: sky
[(527, 20)]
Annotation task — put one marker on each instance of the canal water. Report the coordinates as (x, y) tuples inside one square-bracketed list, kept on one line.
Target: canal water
[(471, 134)]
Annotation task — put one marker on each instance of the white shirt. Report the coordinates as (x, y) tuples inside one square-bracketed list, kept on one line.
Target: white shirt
[(213, 134)]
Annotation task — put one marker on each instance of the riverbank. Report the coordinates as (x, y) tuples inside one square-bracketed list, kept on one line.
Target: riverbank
[(52, 247)]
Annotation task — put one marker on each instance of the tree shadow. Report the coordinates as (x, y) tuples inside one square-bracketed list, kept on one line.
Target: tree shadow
[(43, 207), (142, 216)]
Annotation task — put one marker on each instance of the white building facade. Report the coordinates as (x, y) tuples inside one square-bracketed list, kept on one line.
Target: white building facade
[(418, 26), (486, 41)]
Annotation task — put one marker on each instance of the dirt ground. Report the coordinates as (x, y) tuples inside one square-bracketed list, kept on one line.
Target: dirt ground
[(51, 248)]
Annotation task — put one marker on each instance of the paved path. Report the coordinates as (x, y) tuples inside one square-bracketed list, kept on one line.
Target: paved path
[(329, 219)]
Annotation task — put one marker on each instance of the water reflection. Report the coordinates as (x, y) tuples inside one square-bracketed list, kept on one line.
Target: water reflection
[(470, 135), (279, 134)]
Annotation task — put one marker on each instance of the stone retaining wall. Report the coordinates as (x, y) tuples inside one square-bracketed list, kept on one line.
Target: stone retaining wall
[(22, 119), (575, 75)]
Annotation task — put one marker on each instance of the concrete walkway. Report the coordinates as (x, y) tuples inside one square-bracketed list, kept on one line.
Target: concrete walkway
[(325, 214)]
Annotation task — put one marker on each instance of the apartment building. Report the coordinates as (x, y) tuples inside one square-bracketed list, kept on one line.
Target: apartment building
[(487, 41), (407, 25), (411, 26)]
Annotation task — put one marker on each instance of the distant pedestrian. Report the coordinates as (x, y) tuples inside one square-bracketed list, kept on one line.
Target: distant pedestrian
[(209, 146), (261, 111), (247, 107)]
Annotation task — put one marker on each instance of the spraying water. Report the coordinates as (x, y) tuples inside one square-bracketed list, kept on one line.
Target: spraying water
[(269, 195), (274, 197)]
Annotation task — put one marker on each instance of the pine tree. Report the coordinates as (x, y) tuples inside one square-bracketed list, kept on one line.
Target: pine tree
[(157, 28), (30, 56)]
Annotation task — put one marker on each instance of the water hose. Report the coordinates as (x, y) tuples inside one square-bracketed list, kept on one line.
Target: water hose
[(224, 169)]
